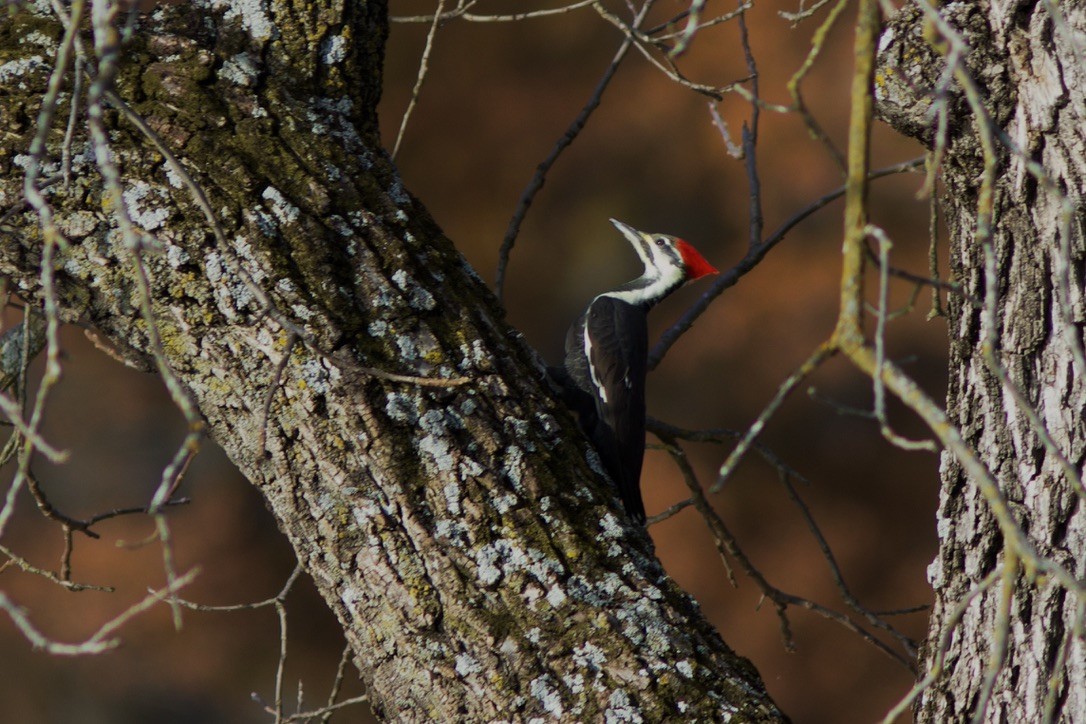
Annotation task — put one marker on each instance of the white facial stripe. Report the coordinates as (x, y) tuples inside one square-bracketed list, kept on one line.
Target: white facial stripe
[(656, 258), (641, 244), (660, 258), (643, 251), (666, 278), (664, 266)]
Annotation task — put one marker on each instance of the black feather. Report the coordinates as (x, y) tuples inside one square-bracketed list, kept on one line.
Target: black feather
[(611, 378)]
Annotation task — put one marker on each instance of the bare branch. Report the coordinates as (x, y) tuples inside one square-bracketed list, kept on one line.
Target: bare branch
[(424, 67), (326, 714), (277, 378), (753, 256), (62, 581), (880, 349), (803, 13), (812, 363), (540, 177), (728, 546), (943, 646), (718, 435), (100, 641), (462, 14), (693, 21), (999, 635), (874, 618)]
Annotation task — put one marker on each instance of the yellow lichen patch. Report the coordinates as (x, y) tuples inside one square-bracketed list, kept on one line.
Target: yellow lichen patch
[(176, 344), (281, 339), (219, 386), (184, 281)]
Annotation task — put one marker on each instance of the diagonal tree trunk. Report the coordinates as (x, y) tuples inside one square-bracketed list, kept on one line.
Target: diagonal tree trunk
[(1032, 82), (479, 567)]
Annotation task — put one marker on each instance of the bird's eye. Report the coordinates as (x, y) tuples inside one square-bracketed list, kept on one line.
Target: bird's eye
[(660, 241)]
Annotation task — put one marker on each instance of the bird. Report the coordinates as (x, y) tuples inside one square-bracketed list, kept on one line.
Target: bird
[(606, 357)]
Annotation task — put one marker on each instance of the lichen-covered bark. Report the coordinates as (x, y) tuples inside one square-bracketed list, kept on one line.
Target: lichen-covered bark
[(1034, 90), (477, 564)]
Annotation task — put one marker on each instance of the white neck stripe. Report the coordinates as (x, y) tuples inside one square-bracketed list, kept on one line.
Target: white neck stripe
[(655, 290)]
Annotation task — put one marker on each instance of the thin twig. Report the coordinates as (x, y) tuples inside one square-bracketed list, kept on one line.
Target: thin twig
[(278, 601), (540, 176), (333, 694), (326, 712), (943, 646), (107, 46), (693, 21), (279, 596), (756, 221), (1059, 665), (646, 45), (100, 641), (657, 34), (798, 103), (424, 67), (734, 150), (281, 613), (820, 355), (719, 435), (753, 256), (728, 546), (461, 14), (874, 618), (10, 408), (73, 116), (933, 255), (880, 349), (669, 512), (927, 281), (52, 239), (277, 378), (802, 13), (62, 581), (1000, 630)]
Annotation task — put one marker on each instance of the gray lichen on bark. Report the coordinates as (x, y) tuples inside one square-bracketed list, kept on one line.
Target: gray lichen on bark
[(1031, 76), (479, 567)]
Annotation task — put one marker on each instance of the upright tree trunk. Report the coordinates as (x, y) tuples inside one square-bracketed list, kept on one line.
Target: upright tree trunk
[(1033, 81), (479, 567)]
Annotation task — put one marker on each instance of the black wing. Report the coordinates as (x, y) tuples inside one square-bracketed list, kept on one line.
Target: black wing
[(617, 358)]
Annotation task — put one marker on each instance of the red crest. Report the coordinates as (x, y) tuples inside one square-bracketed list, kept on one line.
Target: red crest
[(696, 266)]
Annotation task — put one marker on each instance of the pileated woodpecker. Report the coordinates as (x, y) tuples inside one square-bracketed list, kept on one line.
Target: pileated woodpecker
[(607, 357)]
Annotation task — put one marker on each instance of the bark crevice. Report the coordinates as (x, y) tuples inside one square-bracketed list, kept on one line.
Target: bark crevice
[(479, 567)]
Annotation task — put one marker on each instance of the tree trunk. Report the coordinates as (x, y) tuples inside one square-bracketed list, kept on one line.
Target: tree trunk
[(1033, 86), (481, 570)]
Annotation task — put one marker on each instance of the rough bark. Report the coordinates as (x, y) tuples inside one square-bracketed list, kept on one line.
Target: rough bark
[(477, 563), (1033, 87)]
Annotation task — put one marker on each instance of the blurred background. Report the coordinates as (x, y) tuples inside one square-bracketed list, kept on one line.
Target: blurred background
[(496, 99)]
